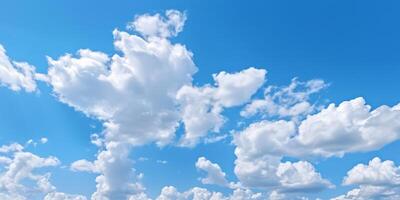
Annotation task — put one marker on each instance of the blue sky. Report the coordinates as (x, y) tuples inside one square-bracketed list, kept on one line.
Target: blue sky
[(352, 46)]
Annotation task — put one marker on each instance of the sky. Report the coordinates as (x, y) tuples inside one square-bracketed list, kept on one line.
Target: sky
[(203, 100)]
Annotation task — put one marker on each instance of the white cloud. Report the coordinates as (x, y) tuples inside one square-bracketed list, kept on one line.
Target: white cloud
[(158, 26), (259, 150), (199, 114), (369, 192), (63, 196), (21, 169), (16, 75), (32, 142), (44, 140), (117, 179), (83, 166), (169, 193), (162, 162), (139, 196), (237, 88), (275, 195), (202, 106), (300, 177), (142, 93), (135, 95), (196, 193), (289, 101), (19, 178), (142, 159), (96, 140), (377, 180), (375, 173), (132, 93), (214, 174), (349, 127), (12, 196), (264, 138), (5, 160), (215, 138), (11, 148), (240, 193)]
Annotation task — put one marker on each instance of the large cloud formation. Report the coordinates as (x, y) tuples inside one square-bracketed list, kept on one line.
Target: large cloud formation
[(141, 96), (144, 92), (132, 93), (352, 126)]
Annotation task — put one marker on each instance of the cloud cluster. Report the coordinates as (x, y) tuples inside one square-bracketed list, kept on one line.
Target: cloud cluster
[(335, 130), (377, 180), (145, 91), (196, 193), (142, 95), (18, 168)]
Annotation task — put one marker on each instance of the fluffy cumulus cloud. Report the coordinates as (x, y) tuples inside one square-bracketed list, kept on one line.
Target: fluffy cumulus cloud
[(19, 179), (215, 175), (196, 193), (139, 104), (20, 168), (369, 192), (352, 126), (375, 173), (264, 138), (137, 94), (300, 177), (259, 155), (117, 179), (63, 196), (377, 180), (13, 147), (236, 89), (158, 26), (202, 106), (16, 75), (132, 93), (349, 127), (83, 166)]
